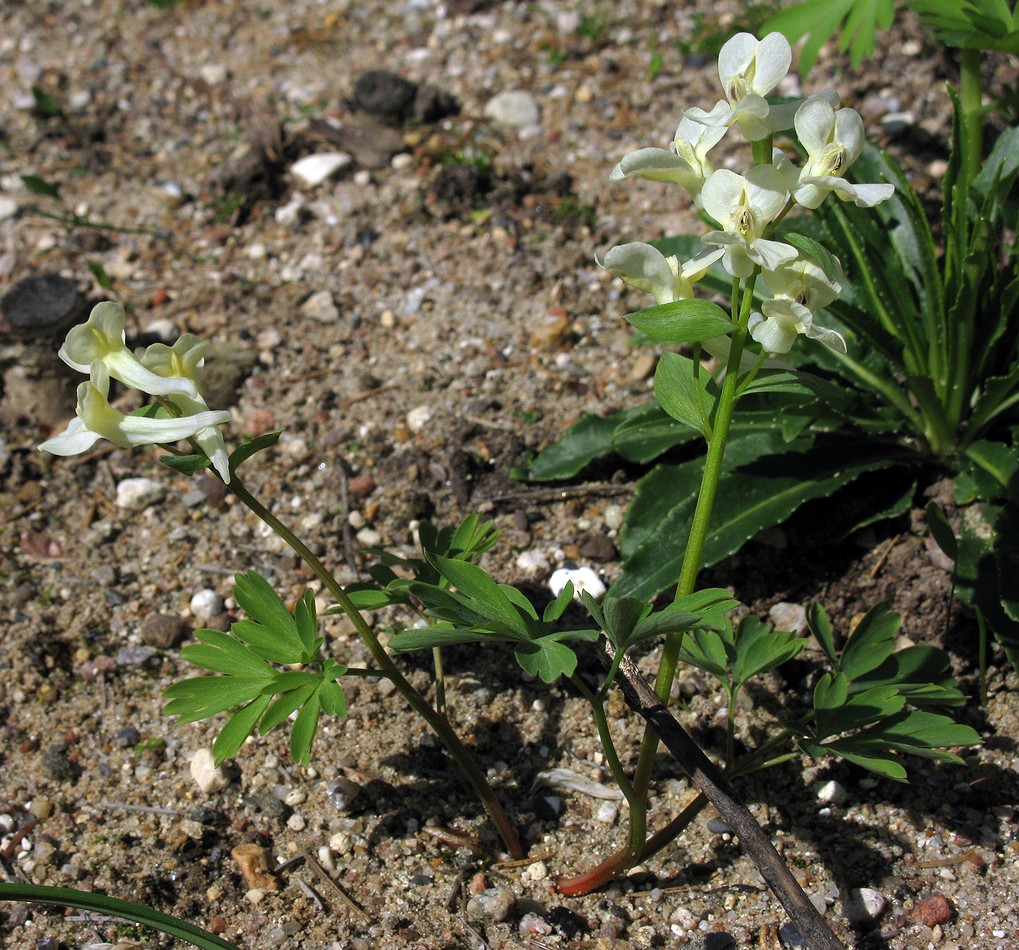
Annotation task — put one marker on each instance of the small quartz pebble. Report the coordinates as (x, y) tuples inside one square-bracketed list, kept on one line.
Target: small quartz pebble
[(206, 604), (532, 562), (583, 578), (208, 776), (935, 909), (607, 813), (419, 417), (514, 109), (864, 905), (494, 904), (831, 793), (320, 306), (135, 494), (786, 616), (312, 170)]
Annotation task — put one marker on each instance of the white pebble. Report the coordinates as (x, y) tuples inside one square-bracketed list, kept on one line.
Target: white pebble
[(583, 578), (532, 562), (208, 776), (613, 516), (607, 813), (786, 616), (831, 793), (312, 170), (135, 494), (419, 417), (864, 904), (321, 307), (514, 109), (206, 604), (296, 822)]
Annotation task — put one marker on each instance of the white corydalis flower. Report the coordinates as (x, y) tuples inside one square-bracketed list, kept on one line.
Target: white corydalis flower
[(646, 268), (833, 140), (96, 419), (800, 287), (744, 206), (183, 360), (101, 339), (685, 162), (749, 69)]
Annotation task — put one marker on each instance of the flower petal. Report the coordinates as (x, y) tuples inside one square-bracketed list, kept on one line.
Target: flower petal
[(74, 440), (644, 267), (655, 164)]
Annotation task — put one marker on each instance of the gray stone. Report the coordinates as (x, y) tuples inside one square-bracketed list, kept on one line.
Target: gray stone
[(514, 109), (164, 631)]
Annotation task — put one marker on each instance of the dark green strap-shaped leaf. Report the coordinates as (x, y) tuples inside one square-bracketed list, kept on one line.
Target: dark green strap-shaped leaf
[(682, 321), (763, 482), (101, 904)]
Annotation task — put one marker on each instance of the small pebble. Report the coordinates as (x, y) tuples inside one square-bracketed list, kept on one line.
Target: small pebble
[(864, 905), (494, 904), (312, 170), (532, 562), (719, 827), (209, 777), (321, 306), (514, 109), (342, 793), (136, 494), (935, 909), (164, 631), (206, 604), (831, 793), (786, 616), (419, 417), (607, 813)]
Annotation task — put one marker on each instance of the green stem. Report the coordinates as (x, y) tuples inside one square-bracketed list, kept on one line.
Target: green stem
[(971, 119), (387, 668), (605, 735), (724, 409)]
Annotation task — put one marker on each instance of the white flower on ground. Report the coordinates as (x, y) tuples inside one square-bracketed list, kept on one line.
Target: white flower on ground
[(744, 206), (800, 288), (686, 163), (749, 69), (97, 419), (646, 268), (183, 360), (833, 140), (101, 339)]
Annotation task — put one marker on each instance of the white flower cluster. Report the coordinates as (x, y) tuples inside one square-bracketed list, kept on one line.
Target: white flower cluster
[(97, 347), (745, 205)]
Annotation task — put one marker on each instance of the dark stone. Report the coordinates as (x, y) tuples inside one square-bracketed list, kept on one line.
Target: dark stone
[(58, 766), (164, 631), (432, 105), (598, 547), (205, 816), (567, 922), (41, 306), (128, 737), (384, 94)]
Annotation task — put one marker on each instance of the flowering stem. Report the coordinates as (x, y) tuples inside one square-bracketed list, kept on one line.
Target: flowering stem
[(387, 668), (724, 409)]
